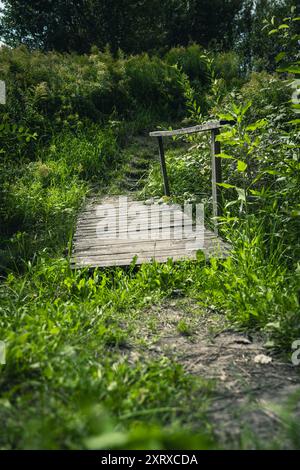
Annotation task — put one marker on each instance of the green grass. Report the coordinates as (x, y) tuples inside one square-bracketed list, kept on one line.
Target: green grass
[(72, 379), (68, 337)]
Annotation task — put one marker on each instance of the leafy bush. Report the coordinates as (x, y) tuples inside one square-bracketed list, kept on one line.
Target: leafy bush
[(154, 85), (269, 96), (228, 67), (49, 92), (254, 286), (192, 61)]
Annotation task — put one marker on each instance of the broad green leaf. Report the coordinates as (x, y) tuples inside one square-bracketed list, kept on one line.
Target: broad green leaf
[(226, 185), (226, 117), (255, 192), (280, 56), (290, 69), (257, 125), (295, 213), (246, 107), (241, 166), (236, 109), (283, 26), (273, 31), (108, 440), (224, 155)]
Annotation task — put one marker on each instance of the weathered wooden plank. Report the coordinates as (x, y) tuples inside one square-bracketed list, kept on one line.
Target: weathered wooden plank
[(160, 237), (130, 226), (143, 210), (142, 253), (91, 242), (130, 216), (94, 262), (193, 129), (188, 130), (216, 176), (128, 252), (140, 247), (163, 166)]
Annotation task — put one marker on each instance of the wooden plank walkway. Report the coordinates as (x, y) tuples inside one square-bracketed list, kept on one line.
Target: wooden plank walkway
[(113, 231)]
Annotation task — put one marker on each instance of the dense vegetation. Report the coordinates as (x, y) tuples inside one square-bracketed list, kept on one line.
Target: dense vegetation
[(71, 122)]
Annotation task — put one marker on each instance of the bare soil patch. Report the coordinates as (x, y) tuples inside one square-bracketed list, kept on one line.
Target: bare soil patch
[(252, 385)]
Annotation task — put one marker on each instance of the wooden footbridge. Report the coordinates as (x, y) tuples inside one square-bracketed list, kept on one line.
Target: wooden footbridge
[(114, 231)]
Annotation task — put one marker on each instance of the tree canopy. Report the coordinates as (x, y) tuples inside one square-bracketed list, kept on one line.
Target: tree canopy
[(134, 26)]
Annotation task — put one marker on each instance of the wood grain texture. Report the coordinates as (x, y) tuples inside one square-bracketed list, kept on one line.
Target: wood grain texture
[(158, 239), (187, 130), (208, 126)]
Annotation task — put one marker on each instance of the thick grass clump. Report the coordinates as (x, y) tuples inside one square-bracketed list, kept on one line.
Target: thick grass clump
[(68, 335), (42, 197)]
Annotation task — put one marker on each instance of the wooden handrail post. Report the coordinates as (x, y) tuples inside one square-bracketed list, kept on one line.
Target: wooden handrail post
[(163, 166), (216, 176), (214, 127)]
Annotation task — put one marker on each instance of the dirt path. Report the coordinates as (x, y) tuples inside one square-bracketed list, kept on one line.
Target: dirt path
[(248, 393)]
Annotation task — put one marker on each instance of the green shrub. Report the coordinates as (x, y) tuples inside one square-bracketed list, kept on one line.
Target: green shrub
[(192, 61), (48, 92), (154, 85), (51, 90), (268, 95), (227, 65)]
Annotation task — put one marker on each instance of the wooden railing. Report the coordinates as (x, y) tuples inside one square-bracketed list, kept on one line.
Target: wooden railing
[(214, 128)]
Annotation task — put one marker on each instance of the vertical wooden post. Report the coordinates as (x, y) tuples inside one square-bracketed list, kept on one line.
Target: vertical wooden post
[(163, 166), (216, 175)]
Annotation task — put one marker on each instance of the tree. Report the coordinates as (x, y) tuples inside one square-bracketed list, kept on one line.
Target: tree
[(251, 42), (137, 25), (132, 25), (46, 24), (213, 21)]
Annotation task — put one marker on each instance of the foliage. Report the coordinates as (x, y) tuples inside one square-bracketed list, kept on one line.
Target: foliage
[(59, 326), (227, 67), (188, 173), (257, 286), (192, 60), (154, 85), (251, 42), (72, 378), (50, 92), (254, 287), (133, 26)]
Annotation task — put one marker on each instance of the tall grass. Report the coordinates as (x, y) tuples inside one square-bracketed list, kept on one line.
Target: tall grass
[(69, 333), (68, 336)]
